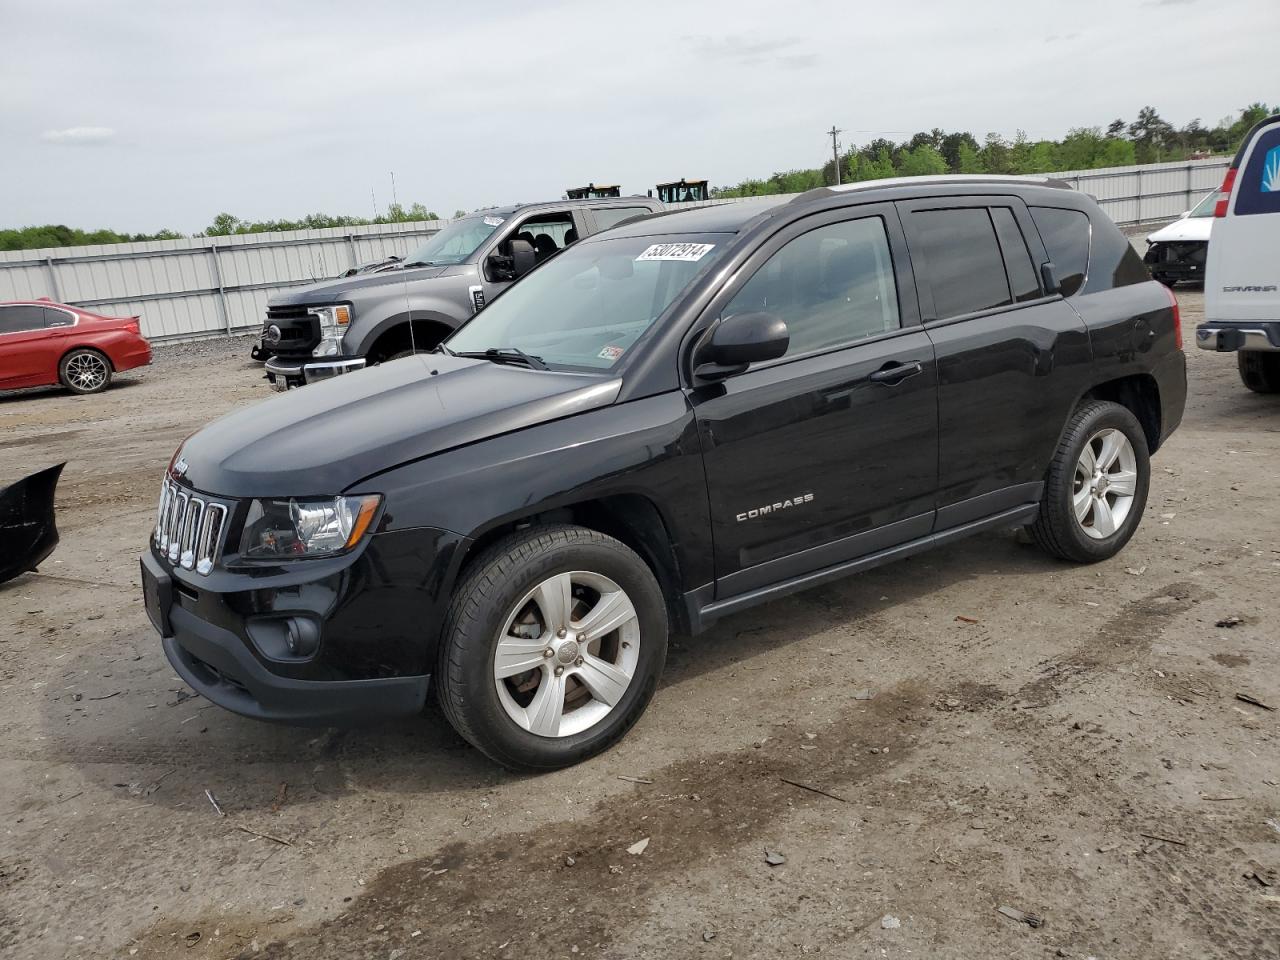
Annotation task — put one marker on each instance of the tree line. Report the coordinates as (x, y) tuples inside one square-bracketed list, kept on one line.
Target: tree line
[(1147, 139), (223, 225)]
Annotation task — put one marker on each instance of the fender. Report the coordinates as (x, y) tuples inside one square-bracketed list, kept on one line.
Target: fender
[(388, 314)]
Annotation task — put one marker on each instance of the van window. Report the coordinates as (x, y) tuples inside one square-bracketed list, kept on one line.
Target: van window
[(962, 260), (1258, 189), (1017, 258), (1066, 239), (607, 217), (832, 286)]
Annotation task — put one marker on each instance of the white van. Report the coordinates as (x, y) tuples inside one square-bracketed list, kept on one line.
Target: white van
[(1242, 276)]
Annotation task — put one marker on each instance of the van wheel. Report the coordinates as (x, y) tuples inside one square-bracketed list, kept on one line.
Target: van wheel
[(1096, 487), (85, 371), (552, 647), (1259, 371)]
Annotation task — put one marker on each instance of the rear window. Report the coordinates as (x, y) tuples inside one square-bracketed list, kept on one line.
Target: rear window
[(608, 216), (1258, 186), (962, 260), (1066, 238)]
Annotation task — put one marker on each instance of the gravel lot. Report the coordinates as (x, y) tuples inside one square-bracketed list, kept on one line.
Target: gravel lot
[(1073, 747)]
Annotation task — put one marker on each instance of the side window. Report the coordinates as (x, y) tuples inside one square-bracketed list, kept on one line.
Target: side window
[(1258, 189), (16, 319), (1066, 239), (606, 217), (962, 260), (549, 233), (831, 286), (1017, 258), (58, 318)]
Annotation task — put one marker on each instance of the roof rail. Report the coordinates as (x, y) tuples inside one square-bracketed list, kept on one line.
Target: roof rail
[(945, 178)]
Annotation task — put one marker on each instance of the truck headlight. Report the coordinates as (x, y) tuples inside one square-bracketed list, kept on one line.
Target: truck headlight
[(333, 324), (296, 529)]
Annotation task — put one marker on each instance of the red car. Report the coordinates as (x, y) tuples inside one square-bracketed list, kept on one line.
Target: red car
[(44, 343)]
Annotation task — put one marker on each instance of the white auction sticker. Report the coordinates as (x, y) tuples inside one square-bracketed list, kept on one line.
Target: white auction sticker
[(690, 252), (493, 221)]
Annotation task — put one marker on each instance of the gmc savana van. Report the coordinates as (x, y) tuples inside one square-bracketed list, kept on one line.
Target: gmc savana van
[(1242, 275)]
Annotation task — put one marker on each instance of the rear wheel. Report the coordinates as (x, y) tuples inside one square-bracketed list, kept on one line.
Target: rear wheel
[(1260, 371), (1096, 487), (552, 647), (85, 371)]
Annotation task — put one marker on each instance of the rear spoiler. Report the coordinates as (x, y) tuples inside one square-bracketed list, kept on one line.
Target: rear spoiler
[(28, 533)]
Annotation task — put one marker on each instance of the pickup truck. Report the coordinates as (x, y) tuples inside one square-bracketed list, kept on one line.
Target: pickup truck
[(337, 326)]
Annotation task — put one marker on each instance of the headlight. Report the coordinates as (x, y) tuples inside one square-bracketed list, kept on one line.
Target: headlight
[(333, 324), (296, 529)]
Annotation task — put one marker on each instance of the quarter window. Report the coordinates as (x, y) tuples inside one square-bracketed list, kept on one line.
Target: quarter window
[(832, 286), (1017, 258), (962, 260), (1066, 239), (16, 319)]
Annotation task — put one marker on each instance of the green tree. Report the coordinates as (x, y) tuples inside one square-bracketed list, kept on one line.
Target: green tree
[(967, 159), (995, 155), (459, 213), (1151, 135), (952, 146), (923, 160), (877, 167)]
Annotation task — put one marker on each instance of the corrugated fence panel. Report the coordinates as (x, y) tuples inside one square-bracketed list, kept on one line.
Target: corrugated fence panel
[(183, 289)]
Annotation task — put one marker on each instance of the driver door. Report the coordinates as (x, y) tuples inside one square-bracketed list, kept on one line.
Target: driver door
[(559, 227)]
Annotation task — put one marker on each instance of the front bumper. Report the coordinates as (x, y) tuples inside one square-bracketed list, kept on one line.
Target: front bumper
[(260, 351), (1252, 335), (285, 374), (373, 653), (1178, 260)]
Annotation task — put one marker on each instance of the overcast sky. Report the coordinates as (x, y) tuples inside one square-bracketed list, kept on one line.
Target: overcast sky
[(140, 115)]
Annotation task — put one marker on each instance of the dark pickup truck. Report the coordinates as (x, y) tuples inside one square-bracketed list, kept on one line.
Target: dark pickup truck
[(664, 425), (325, 329)]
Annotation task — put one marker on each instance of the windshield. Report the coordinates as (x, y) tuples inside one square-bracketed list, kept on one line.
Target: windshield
[(1205, 207), (588, 306), (455, 242)]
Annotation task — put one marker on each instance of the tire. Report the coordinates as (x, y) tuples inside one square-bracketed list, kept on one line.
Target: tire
[(1110, 516), (1259, 370), (1165, 279), (397, 356), (85, 371), (503, 607)]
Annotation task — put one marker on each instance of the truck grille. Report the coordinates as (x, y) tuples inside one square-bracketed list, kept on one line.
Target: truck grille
[(189, 528), (299, 330)]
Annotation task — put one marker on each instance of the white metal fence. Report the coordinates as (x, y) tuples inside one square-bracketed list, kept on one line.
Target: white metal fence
[(205, 286)]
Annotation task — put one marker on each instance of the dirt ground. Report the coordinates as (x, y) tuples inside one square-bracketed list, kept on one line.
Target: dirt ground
[(992, 729)]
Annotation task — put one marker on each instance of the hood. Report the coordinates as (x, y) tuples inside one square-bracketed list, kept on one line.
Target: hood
[(1180, 231), (323, 438), (330, 291)]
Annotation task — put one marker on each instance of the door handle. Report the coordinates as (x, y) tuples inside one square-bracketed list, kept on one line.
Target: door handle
[(895, 372)]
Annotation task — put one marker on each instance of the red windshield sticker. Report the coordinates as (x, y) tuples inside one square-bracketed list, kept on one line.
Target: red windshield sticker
[(611, 353)]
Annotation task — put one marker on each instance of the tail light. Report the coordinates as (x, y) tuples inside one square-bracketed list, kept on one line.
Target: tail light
[(1224, 193), (1177, 317)]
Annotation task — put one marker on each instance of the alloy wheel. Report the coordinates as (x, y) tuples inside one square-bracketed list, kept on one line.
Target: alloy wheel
[(567, 654), (1106, 482), (87, 371)]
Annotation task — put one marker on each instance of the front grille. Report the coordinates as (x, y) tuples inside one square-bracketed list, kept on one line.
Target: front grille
[(189, 528), (287, 311), (299, 330)]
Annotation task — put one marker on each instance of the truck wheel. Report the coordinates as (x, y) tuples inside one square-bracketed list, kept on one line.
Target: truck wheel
[(1165, 279), (397, 356), (1096, 487), (85, 371), (1259, 370), (552, 647)]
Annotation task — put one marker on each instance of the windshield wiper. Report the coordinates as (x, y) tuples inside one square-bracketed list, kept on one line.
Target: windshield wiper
[(419, 263), (506, 355)]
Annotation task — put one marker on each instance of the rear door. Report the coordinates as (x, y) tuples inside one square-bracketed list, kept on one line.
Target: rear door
[(1011, 355), (830, 452), (27, 354), (1242, 280)]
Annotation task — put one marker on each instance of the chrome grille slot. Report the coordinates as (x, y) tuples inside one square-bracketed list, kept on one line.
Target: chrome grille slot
[(190, 533), (189, 528)]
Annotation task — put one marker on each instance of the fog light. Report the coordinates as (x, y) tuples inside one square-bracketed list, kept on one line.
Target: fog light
[(302, 637)]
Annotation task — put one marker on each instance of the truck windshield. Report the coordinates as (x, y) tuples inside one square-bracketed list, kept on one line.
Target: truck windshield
[(589, 305), (1205, 207), (455, 242)]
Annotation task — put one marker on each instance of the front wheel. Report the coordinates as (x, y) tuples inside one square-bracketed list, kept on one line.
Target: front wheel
[(1259, 370), (85, 371), (552, 647), (1096, 486)]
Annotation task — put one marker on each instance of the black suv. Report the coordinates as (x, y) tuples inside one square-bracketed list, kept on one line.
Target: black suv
[(665, 424)]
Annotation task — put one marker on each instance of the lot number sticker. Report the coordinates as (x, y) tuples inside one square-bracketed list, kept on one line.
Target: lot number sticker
[(690, 252), (493, 221)]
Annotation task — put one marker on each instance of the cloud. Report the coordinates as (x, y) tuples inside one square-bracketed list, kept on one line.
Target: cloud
[(79, 136), (751, 51)]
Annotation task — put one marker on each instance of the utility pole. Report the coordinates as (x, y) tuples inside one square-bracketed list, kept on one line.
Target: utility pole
[(393, 188), (835, 150)]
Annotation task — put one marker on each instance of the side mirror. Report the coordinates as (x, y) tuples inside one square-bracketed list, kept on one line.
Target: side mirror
[(503, 268), (1184, 214), (736, 342)]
